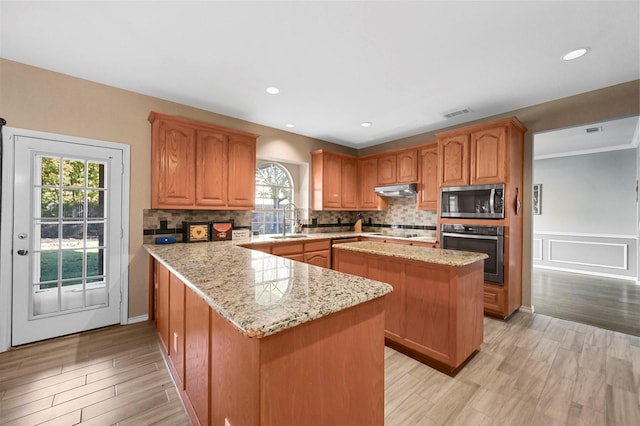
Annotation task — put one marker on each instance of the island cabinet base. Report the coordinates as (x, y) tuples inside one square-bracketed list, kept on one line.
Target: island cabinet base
[(435, 312), (324, 372), (329, 371)]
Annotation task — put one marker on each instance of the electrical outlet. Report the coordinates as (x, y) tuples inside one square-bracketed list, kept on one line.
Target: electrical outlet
[(175, 341)]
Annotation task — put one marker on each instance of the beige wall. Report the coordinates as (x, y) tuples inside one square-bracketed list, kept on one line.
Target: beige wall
[(36, 99), (622, 100)]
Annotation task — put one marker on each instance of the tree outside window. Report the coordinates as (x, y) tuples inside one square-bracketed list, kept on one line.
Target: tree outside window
[(274, 190)]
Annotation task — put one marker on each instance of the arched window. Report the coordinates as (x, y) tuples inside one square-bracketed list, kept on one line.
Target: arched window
[(274, 191)]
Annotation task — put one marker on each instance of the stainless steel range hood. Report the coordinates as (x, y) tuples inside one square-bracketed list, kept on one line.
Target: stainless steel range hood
[(402, 190)]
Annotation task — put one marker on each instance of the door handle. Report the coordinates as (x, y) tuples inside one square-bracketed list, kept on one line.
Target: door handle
[(23, 252)]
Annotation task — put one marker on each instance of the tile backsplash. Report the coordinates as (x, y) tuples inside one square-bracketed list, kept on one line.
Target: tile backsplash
[(402, 213)]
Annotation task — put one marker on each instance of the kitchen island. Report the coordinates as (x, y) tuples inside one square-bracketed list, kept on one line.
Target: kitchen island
[(256, 339), (435, 313)]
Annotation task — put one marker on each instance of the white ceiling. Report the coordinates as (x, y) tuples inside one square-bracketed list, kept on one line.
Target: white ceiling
[(400, 65), (623, 133)]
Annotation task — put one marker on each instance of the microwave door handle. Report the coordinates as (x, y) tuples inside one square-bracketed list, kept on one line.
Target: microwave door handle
[(471, 236), (492, 202)]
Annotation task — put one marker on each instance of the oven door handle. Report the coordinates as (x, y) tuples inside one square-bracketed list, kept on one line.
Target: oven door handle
[(475, 237)]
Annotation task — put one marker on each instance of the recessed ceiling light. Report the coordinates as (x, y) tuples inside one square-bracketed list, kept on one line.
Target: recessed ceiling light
[(366, 124), (290, 125), (273, 90), (575, 54)]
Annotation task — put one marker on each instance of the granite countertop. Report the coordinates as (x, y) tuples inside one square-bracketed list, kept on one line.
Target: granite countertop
[(260, 293), (329, 235), (423, 254)]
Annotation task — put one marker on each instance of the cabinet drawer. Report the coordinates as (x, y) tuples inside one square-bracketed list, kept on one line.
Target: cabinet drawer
[(264, 247), (286, 249), (317, 245)]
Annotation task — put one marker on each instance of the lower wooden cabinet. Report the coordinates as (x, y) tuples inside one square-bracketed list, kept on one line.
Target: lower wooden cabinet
[(197, 356), (434, 314), (176, 328), (315, 252), (288, 378), (161, 312), (320, 258)]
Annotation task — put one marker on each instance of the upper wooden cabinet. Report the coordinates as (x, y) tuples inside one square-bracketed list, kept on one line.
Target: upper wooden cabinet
[(453, 152), (368, 177), (479, 154), (334, 181), (199, 166), (428, 187), (400, 167)]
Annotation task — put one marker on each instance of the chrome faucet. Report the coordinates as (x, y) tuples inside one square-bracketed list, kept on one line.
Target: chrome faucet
[(289, 206)]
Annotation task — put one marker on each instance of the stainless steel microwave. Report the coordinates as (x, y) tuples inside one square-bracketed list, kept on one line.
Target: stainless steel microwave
[(474, 201)]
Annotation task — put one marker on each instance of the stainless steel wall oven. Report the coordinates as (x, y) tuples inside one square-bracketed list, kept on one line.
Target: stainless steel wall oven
[(480, 239)]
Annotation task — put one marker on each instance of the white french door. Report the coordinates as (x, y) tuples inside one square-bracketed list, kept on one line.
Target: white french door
[(67, 238)]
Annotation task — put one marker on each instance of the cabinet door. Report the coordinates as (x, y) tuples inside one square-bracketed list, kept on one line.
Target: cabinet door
[(211, 169), (350, 262), (454, 160), (176, 327), (332, 181), (390, 272), (407, 164), (428, 296), (162, 304), (173, 171), (488, 156), (428, 188), (318, 258), (242, 173), (368, 178), (349, 184), (387, 169), (196, 323)]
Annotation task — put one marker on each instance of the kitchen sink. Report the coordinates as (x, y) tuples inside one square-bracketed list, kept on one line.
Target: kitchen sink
[(286, 237)]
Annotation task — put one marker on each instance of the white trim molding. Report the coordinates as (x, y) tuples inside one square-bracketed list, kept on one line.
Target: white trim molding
[(587, 234), (625, 249), (139, 318), (538, 241), (583, 272)]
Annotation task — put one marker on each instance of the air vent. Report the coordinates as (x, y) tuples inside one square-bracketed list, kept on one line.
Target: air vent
[(462, 111), (594, 129)]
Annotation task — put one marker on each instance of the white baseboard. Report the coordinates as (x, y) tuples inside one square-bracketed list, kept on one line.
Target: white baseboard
[(578, 271), (140, 318), (526, 309)]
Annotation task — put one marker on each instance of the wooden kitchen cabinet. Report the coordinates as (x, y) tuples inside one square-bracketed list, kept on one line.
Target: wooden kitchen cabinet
[(407, 165), (368, 178), (161, 283), (197, 357), (318, 258), (242, 172), (488, 156), (428, 185), (390, 272), (334, 181), (434, 314), (387, 169), (176, 328), (212, 157), (400, 167), (453, 152), (199, 166), (349, 183), (480, 154)]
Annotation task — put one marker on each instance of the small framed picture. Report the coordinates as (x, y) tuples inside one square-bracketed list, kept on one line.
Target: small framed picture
[(537, 198)]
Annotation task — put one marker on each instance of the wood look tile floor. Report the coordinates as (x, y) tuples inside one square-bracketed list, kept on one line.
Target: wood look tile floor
[(608, 303), (531, 370)]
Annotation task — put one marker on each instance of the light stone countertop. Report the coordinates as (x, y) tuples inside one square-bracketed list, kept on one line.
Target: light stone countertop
[(423, 254), (260, 293), (328, 235)]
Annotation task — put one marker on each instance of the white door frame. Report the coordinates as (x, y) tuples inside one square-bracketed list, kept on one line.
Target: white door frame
[(6, 222)]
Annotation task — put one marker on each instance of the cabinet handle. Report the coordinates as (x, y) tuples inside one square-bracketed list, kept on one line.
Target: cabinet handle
[(518, 203)]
